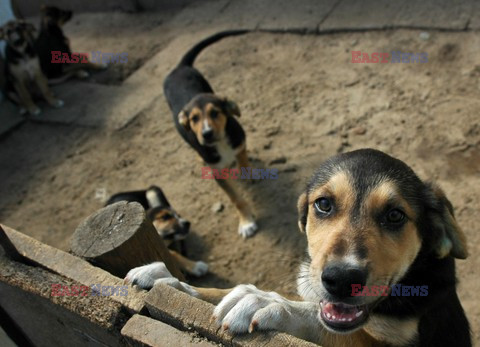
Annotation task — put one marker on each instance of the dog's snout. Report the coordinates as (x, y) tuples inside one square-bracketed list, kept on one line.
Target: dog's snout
[(185, 224), (338, 279), (207, 134)]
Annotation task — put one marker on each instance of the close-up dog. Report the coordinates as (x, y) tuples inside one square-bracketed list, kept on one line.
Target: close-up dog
[(169, 224), (207, 122), (369, 221), (22, 68), (52, 39)]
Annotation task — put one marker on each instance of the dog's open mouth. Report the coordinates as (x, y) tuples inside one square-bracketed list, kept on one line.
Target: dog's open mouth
[(342, 317)]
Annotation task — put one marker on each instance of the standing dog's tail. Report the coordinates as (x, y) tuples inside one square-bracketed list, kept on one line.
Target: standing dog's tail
[(190, 56)]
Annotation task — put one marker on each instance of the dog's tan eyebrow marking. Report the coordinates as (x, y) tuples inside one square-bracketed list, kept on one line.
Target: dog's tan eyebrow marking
[(339, 188), (195, 111), (211, 106), (385, 193)]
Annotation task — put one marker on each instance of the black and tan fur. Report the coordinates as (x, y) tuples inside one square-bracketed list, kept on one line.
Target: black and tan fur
[(168, 223), (368, 220), (366, 189), (52, 38), (208, 123), (22, 68)]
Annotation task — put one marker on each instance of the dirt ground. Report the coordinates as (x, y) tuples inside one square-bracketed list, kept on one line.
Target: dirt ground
[(302, 100)]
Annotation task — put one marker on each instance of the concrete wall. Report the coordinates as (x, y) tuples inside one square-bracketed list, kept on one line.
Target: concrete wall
[(31, 7)]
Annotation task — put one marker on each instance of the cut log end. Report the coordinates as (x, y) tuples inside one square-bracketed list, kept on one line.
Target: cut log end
[(118, 238)]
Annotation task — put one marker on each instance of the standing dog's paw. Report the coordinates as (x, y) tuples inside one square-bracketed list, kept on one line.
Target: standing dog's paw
[(247, 308), (200, 269), (57, 103), (145, 276), (34, 111), (247, 229)]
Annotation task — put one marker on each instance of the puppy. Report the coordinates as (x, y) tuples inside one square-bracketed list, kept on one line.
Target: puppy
[(369, 222), (168, 223), (52, 39), (207, 122), (22, 68)]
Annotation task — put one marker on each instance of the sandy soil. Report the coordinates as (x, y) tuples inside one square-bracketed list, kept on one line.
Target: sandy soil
[(302, 101)]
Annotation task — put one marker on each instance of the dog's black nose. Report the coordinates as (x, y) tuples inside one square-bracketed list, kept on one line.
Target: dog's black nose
[(185, 226), (207, 134), (338, 279)]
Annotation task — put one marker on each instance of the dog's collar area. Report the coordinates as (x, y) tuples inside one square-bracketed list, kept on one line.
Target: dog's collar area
[(342, 317)]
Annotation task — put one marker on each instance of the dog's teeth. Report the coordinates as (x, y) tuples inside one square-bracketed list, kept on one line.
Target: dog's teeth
[(333, 317), (328, 315), (358, 314), (349, 319)]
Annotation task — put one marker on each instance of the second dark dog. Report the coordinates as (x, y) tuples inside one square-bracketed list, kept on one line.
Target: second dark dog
[(52, 39), (168, 223)]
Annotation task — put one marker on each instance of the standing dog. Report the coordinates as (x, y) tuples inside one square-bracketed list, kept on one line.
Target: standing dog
[(168, 223), (208, 123), (370, 222), (52, 39), (22, 68)]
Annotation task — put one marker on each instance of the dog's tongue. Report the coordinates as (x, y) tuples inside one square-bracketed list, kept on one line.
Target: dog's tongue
[(339, 313)]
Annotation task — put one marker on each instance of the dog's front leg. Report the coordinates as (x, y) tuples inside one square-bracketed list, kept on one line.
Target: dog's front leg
[(242, 158), (195, 268), (25, 98), (246, 309), (247, 226), (42, 84), (149, 275)]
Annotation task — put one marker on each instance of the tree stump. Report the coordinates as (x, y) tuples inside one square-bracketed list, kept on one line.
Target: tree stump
[(118, 238)]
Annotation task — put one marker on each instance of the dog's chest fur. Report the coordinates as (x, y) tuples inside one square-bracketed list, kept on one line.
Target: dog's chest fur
[(25, 68), (397, 332), (226, 153)]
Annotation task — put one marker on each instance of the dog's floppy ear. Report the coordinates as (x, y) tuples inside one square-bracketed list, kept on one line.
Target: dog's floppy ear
[(302, 206), (183, 119), (449, 239), (231, 107), (156, 198)]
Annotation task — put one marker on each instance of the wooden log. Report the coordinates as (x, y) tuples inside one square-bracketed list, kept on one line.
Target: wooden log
[(118, 238)]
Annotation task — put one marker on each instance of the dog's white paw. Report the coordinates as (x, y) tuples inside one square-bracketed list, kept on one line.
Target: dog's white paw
[(145, 276), (246, 309), (58, 103), (175, 283), (200, 269), (247, 229)]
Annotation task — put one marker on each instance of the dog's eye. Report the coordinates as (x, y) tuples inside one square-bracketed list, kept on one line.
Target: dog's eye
[(395, 216), (213, 114), (195, 118), (323, 205), (166, 217)]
